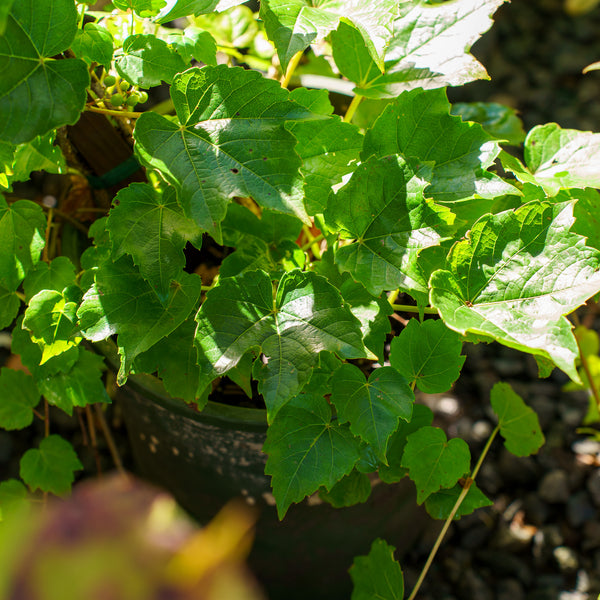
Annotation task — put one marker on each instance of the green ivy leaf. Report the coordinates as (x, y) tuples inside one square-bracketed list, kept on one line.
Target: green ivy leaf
[(22, 227), (515, 278), (9, 307), (377, 575), (383, 209), (19, 397), (292, 25), (38, 93), (150, 226), (433, 462), (51, 317), (175, 9), (329, 149), (374, 407), (350, 490), (502, 122), (121, 302), (231, 141), (57, 275), (306, 450), (40, 154), (304, 317), (50, 468), (440, 504), (81, 385), (175, 359), (147, 61), (394, 471), (562, 158), (93, 43), (430, 47), (519, 425), (194, 43), (428, 355), (412, 126)]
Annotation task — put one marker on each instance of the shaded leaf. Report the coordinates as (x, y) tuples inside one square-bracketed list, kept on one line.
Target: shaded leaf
[(19, 397), (50, 467), (519, 425), (93, 43), (502, 122), (22, 227), (56, 275), (433, 462), (374, 407), (352, 489), (9, 307), (306, 450), (377, 575), (428, 354), (290, 327), (38, 93), (151, 227), (440, 504), (121, 302)]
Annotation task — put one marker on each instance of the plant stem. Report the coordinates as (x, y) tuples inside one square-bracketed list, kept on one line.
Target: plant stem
[(467, 486), (352, 108), (46, 418), (588, 373), (408, 308), (314, 240), (20, 296), (47, 235), (112, 447), (285, 80), (116, 113)]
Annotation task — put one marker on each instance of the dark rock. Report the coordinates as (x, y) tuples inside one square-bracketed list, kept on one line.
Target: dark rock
[(544, 541), (536, 511), (593, 486), (472, 585), (554, 487), (510, 589), (580, 509)]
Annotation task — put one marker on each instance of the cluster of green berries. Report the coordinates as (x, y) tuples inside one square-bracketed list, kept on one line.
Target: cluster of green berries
[(119, 92)]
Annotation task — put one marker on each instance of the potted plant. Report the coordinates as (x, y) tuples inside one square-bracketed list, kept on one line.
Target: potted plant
[(326, 220)]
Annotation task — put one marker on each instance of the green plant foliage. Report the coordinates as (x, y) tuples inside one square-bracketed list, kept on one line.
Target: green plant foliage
[(428, 355), (209, 163), (315, 451), (38, 93), (350, 490), (519, 425), (56, 275), (377, 575), (12, 494), (19, 397), (440, 504), (383, 209), (530, 271), (150, 226), (193, 43), (144, 8), (93, 43), (499, 121), (290, 327), (182, 8), (22, 227), (433, 462), (50, 467), (374, 407), (293, 25)]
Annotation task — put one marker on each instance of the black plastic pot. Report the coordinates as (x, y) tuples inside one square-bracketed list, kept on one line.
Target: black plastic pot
[(207, 458)]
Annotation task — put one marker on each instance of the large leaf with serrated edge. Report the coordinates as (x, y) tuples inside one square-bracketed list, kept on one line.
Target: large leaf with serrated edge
[(430, 48), (372, 407), (377, 575), (433, 461), (230, 141), (307, 450), (290, 327), (121, 302), (413, 126), (558, 159), (382, 208), (515, 278), (292, 25), (37, 92), (519, 425), (328, 149), (22, 227), (150, 226), (428, 354)]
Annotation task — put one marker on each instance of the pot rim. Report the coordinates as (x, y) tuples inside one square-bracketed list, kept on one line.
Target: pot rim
[(152, 387)]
